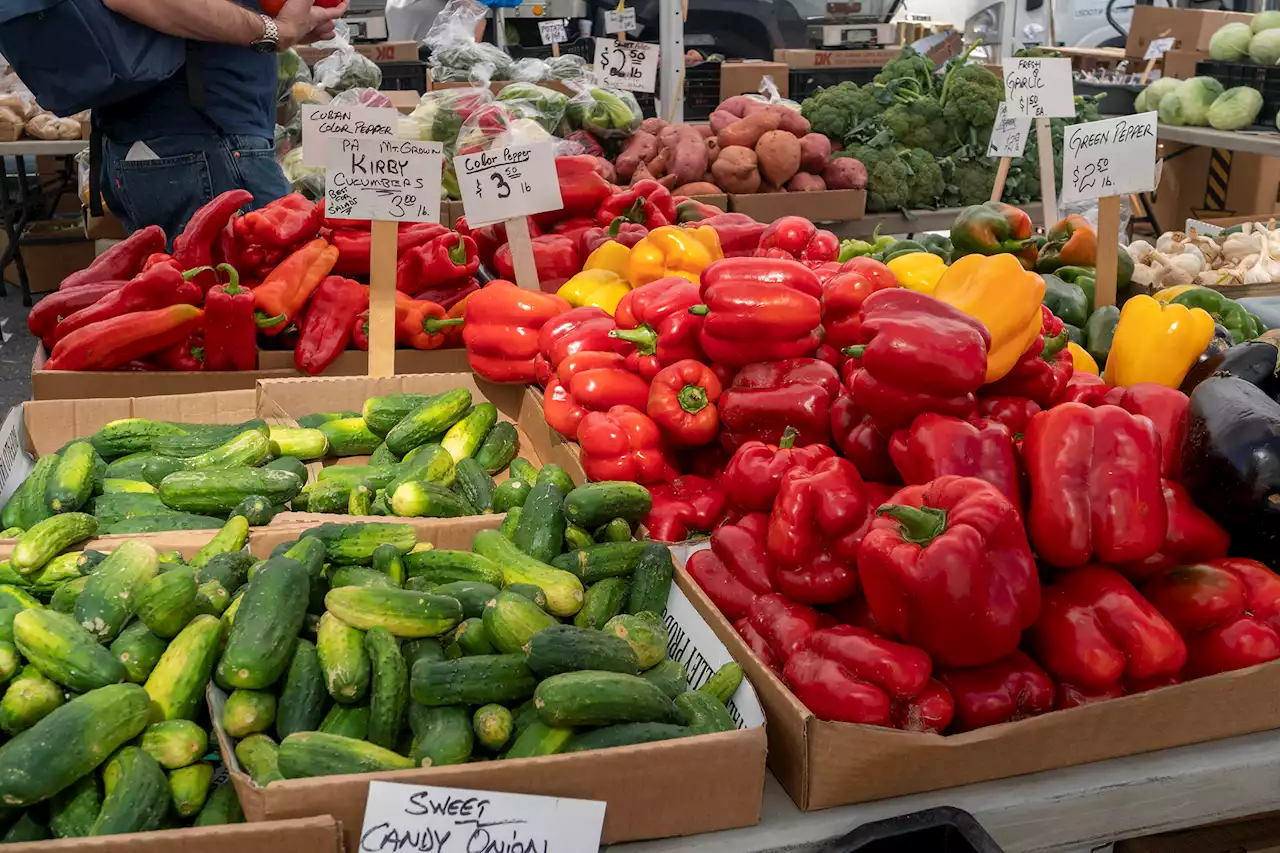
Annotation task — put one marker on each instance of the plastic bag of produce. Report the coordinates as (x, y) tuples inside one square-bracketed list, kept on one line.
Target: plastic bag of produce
[(308, 180), (606, 113), (410, 20), (362, 98), (770, 95), (530, 70), (543, 105), (568, 67), (345, 69), (456, 56), (440, 114)]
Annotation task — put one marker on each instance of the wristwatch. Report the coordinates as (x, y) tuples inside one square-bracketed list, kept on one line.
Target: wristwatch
[(270, 41)]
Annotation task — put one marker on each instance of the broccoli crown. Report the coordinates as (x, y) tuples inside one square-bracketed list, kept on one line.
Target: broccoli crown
[(888, 177), (909, 65), (970, 101), (838, 111), (918, 124), (969, 181), (927, 184)]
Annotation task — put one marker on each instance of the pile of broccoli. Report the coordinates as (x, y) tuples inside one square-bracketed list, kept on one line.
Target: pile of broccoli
[(922, 133)]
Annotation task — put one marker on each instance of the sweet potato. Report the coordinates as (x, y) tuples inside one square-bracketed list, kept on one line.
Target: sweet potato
[(709, 178), (736, 105), (746, 132), (736, 171), (766, 187), (653, 125), (779, 156), (607, 170), (641, 174), (704, 130), (720, 119), (756, 106), (845, 173), (640, 148), (686, 153), (803, 182), (668, 135), (668, 181), (697, 188), (658, 165), (790, 120), (815, 153), (713, 150)]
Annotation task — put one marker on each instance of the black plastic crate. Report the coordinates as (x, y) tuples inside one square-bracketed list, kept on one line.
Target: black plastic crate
[(940, 830), (648, 102), (701, 91), (804, 82), (404, 77), (1264, 78), (584, 47)]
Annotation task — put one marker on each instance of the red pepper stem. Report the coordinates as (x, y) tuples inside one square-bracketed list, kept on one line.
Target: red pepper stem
[(855, 352), (233, 280), (190, 274), (634, 213), (615, 227), (700, 310), (434, 325), (458, 253), (788, 440), (692, 399), (920, 526), (643, 336), (1054, 345), (262, 321)]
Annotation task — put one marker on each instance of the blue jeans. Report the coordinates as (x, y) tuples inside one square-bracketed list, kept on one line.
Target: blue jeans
[(190, 170)]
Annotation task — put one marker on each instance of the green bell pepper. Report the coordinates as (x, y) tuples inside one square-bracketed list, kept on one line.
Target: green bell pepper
[(901, 247), (1074, 334), (1228, 312), (1258, 326), (1085, 278), (1067, 301), (990, 229), (938, 244), (1100, 331)]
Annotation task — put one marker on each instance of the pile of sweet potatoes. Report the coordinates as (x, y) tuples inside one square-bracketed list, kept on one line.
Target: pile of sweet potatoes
[(750, 146)]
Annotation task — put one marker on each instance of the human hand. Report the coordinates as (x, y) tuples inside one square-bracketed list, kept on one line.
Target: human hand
[(305, 21)]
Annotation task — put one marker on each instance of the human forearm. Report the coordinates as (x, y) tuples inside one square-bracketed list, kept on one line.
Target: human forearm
[(199, 20)]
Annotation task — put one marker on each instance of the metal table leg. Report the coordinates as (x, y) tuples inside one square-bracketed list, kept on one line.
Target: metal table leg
[(24, 214)]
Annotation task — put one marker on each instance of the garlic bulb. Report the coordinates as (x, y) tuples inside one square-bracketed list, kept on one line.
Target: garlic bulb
[(1209, 249), (1227, 277), (1143, 276), (1237, 247), (1189, 262), (1170, 243), (1139, 249), (1266, 268), (1166, 273)]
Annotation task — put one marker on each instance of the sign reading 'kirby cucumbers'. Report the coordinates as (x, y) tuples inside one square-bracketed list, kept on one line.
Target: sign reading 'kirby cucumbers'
[(395, 180)]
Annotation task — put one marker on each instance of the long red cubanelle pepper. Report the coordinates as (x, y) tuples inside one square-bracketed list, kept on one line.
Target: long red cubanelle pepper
[(121, 262), (262, 238), (52, 309), (193, 248), (325, 330), (280, 298), (231, 336), (355, 245), (159, 287), (112, 343)]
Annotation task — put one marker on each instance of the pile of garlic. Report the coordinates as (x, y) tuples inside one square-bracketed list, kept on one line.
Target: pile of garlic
[(1251, 256)]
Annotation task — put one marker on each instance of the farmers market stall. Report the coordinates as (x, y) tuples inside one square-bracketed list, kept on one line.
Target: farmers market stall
[(17, 212)]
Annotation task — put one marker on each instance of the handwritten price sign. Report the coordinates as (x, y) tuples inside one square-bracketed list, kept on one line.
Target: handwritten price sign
[(321, 121), (1008, 134), (387, 179), (552, 32), (620, 22), (508, 183), (630, 65), (1109, 158), (1039, 88), (1159, 47)]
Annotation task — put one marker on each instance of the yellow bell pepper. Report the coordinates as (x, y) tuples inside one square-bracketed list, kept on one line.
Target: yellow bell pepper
[(918, 271), (1005, 297), (611, 256), (598, 288), (672, 251), (1167, 295), (1081, 360), (1156, 343)]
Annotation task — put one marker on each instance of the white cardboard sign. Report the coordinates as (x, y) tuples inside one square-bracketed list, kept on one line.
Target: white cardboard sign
[(1039, 88), (1008, 134), (321, 121), (1108, 158), (1159, 47), (509, 182), (552, 32), (629, 65), (389, 179), (15, 464), (619, 22), (460, 820)]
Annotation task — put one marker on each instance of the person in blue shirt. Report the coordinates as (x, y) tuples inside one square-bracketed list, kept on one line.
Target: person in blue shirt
[(209, 128)]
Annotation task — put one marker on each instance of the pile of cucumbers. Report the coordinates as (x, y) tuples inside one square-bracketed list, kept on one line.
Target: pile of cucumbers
[(421, 657), (104, 661)]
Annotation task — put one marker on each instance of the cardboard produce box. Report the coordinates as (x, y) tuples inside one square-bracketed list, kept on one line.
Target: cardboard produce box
[(385, 51), (656, 790), (52, 249), (1192, 28), (809, 59), (825, 764), (1181, 64), (744, 78), (824, 206), (320, 834), (77, 384), (1211, 184)]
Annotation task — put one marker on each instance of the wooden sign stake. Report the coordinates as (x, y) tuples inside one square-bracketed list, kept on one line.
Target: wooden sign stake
[(622, 34), (1108, 250), (1048, 187), (382, 298), (522, 253), (1151, 63), (555, 48), (1002, 174)]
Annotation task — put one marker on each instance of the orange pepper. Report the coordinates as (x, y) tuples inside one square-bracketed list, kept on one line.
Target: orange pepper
[(280, 298), (423, 324)]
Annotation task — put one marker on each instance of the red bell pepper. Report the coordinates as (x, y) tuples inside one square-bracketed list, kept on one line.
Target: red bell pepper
[(355, 245), (262, 238), (765, 399), (646, 203), (691, 210), (842, 297), (687, 505), (728, 593), (817, 524), (231, 335), (193, 248), (448, 257), (121, 262), (490, 238), (921, 355), (157, 288), (754, 474), (577, 330), (501, 330), (783, 624), (582, 187), (947, 567), (1095, 486), (1167, 409), (1085, 388), (159, 258), (656, 319), (1014, 412), (186, 356), (325, 330), (448, 294), (930, 711), (574, 227), (1193, 536), (555, 258), (625, 233), (757, 644), (1043, 371), (53, 308), (623, 444), (757, 309), (1227, 611), (800, 239), (590, 381), (861, 442), (741, 547), (1096, 630), (110, 344), (936, 445), (682, 402), (739, 234), (1012, 688), (279, 300)]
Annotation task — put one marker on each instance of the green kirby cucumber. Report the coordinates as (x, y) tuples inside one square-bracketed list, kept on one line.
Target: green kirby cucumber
[(248, 449), (442, 736), (219, 490), (509, 494), (304, 698), (231, 538), (28, 505), (177, 683), (645, 633), (389, 691), (492, 725), (360, 501), (472, 595), (161, 523), (248, 712), (383, 455), (346, 720), (403, 612), (256, 510), (383, 413), (557, 476), (464, 438), (387, 559), (292, 464), (260, 757), (425, 648), (510, 621), (537, 739), (358, 576), (62, 568), (64, 651), (71, 483), (474, 484), (10, 661), (45, 539), (377, 476), (669, 676), (703, 713), (651, 580), (416, 499), (109, 599), (576, 537), (189, 788), (139, 799), (523, 470), (529, 591), (72, 811), (596, 503), (29, 698), (444, 566), (627, 734), (349, 437), (471, 638), (138, 650), (167, 602), (303, 443), (127, 487), (267, 622), (343, 660), (312, 421), (597, 562), (332, 496), (347, 544), (175, 743), (540, 533), (231, 569), (724, 682), (428, 420), (430, 463), (566, 648), (499, 447), (221, 808), (212, 598), (476, 680), (308, 754), (131, 435), (563, 589), (592, 698)]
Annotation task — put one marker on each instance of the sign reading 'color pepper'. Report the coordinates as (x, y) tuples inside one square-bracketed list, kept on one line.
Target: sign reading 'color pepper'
[(394, 180), (508, 183)]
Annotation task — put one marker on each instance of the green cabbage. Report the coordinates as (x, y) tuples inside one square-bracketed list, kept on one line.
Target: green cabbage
[(1149, 98), (1170, 109), (1265, 21), (1197, 95), (1235, 108), (1264, 48), (1230, 43)]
